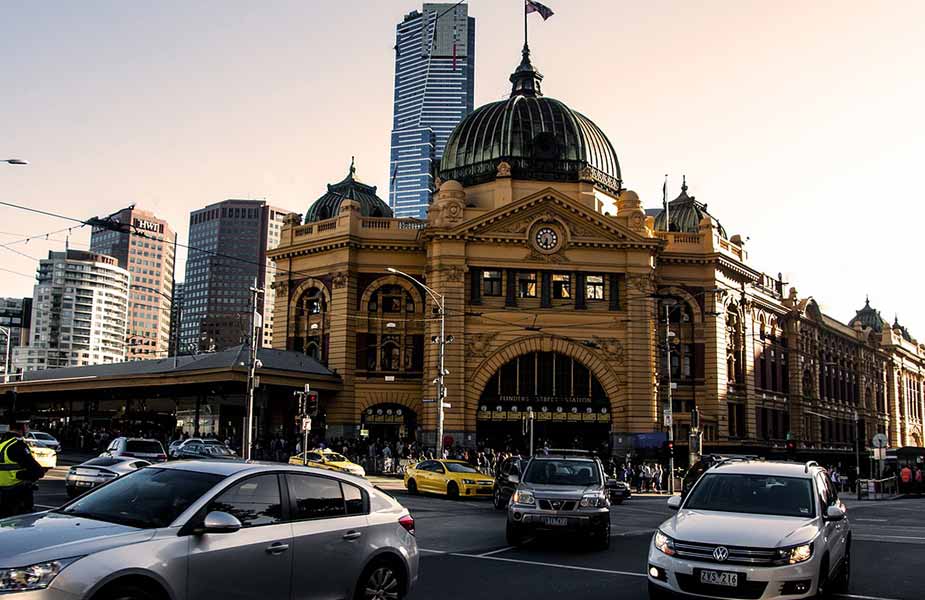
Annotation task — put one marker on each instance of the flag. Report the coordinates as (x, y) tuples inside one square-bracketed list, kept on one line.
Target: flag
[(533, 6)]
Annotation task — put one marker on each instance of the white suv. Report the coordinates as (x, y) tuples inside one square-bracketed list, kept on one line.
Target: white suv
[(753, 530)]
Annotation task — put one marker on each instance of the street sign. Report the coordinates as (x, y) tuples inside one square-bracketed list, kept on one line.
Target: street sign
[(879, 441), (390, 378), (256, 381), (879, 453), (447, 405), (364, 433), (306, 424), (668, 420), (428, 401)]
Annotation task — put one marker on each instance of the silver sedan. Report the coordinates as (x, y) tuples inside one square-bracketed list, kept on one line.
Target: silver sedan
[(206, 529), (97, 471)]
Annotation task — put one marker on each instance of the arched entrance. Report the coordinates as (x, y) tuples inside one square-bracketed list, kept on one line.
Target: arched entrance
[(388, 423), (571, 408)]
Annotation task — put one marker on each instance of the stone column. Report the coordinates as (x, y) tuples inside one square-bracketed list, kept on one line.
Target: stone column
[(713, 401)]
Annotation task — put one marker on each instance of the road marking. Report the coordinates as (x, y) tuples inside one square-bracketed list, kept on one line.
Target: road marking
[(632, 532), (857, 597), (545, 564), (432, 551), (874, 538), (873, 520), (498, 551)]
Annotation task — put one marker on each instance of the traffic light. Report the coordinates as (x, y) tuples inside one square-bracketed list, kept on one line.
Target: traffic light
[(311, 403), (791, 448)]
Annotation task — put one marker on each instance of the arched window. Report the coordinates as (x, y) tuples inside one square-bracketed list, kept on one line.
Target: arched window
[(311, 324), (390, 339)]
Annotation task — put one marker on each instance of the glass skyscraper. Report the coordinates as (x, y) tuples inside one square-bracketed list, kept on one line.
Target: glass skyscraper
[(434, 90)]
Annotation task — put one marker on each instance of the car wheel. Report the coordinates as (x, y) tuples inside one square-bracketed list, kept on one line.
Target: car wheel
[(126, 591), (498, 499), (380, 581), (513, 535), (412, 487), (452, 490), (844, 572), (823, 591)]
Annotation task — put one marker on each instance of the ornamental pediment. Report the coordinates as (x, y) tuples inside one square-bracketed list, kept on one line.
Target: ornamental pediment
[(553, 217)]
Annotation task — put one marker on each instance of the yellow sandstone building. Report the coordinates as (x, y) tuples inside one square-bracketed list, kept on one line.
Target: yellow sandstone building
[(557, 285)]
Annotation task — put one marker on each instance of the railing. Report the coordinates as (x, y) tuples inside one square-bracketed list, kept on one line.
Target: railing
[(878, 489), (375, 223), (327, 225)]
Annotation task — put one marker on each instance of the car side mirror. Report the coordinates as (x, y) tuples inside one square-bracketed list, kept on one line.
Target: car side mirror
[(515, 479), (833, 513), (674, 503), (220, 522)]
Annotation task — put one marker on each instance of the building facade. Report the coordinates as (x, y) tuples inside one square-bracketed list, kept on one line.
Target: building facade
[(176, 312), (558, 291), (434, 90), (15, 316), (80, 312), (146, 247), (228, 253)]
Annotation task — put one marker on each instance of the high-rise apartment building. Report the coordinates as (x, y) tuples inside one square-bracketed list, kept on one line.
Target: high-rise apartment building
[(79, 312), (228, 252), (176, 311), (145, 247), (434, 90), (16, 319)]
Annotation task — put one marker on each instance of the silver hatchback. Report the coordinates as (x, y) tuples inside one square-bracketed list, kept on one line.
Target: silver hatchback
[(205, 529)]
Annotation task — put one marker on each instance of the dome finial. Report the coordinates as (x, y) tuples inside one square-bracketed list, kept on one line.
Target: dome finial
[(353, 168), (866, 300), (684, 183), (526, 79)]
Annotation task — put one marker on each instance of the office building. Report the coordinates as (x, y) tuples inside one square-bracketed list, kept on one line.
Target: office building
[(176, 311), (145, 247), (15, 316), (79, 312), (228, 253), (434, 90)]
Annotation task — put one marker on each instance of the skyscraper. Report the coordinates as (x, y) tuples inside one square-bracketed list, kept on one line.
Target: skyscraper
[(144, 247), (16, 316), (79, 312), (228, 251), (434, 90)]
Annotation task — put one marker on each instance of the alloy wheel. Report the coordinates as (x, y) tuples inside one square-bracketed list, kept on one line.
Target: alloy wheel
[(382, 584)]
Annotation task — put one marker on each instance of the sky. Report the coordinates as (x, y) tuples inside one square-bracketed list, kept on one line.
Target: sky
[(800, 123)]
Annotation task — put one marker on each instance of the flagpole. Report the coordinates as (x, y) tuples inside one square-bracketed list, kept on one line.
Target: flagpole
[(525, 23), (665, 202)]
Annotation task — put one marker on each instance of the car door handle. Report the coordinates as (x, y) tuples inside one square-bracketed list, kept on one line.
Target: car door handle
[(277, 548), (352, 535)]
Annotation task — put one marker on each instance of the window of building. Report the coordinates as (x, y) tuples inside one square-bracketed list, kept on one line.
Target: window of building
[(491, 283), (736, 415), (594, 288), (561, 287), (526, 285)]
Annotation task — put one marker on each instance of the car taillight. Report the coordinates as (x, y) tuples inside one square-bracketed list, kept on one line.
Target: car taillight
[(161, 457), (408, 523)]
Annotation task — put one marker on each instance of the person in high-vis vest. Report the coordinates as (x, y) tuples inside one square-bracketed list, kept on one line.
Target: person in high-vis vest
[(18, 470)]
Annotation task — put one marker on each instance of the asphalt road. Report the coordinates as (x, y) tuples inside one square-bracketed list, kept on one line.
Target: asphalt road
[(465, 554)]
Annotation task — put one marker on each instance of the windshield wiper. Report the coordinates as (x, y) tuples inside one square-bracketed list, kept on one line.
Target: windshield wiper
[(106, 518)]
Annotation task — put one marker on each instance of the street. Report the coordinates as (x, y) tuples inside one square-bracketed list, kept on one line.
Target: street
[(465, 554)]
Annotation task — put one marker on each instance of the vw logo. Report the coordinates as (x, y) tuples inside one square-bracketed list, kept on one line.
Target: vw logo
[(720, 554), (556, 505)]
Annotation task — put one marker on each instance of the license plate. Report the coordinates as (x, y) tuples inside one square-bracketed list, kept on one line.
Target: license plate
[(555, 521), (84, 483), (485, 490), (719, 578)]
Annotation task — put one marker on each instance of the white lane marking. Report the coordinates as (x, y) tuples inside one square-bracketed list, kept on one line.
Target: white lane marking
[(498, 551), (874, 538), (872, 520), (432, 551), (857, 597), (632, 532), (545, 564)]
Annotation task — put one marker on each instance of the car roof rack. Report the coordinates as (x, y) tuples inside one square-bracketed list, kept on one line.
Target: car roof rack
[(809, 463)]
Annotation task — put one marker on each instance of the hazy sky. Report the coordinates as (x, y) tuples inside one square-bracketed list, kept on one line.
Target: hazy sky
[(799, 123)]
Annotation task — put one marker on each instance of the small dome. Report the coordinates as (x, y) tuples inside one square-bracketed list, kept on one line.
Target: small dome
[(685, 214), (328, 206), (868, 317), (541, 138)]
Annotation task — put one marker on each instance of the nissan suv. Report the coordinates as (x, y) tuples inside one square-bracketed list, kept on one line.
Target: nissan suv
[(753, 530), (560, 491)]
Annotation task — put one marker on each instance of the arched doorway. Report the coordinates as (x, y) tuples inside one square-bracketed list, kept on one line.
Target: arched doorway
[(571, 408), (388, 423)]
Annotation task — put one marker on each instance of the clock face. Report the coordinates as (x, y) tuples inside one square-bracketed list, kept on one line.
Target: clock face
[(547, 238)]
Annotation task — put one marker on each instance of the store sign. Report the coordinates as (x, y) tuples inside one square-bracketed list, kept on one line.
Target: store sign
[(146, 225), (546, 399)]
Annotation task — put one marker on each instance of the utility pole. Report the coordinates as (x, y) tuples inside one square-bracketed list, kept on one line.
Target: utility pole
[(251, 373), (857, 452), (308, 408), (529, 424), (669, 408)]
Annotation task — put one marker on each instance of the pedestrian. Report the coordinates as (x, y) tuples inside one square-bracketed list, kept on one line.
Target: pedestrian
[(18, 470), (905, 478)]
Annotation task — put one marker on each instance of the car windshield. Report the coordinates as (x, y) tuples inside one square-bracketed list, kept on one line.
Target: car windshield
[(562, 472), (148, 498), (218, 450), (459, 468), (753, 494), (42, 436), (144, 447)]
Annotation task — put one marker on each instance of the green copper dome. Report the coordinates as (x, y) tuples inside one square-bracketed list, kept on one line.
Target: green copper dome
[(540, 138), (350, 188), (685, 214), (868, 317)]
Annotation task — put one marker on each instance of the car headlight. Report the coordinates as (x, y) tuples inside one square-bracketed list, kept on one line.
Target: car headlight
[(593, 501), (524, 497), (663, 543), (34, 577), (795, 554), (469, 481)]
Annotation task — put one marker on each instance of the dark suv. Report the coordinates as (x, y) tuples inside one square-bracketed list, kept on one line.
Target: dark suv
[(504, 487)]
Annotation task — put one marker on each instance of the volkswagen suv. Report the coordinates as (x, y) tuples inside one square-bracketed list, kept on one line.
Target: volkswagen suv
[(753, 530), (562, 491)]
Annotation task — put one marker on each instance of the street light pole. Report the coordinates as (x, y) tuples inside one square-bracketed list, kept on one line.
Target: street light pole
[(251, 375), (857, 451), (442, 341), (669, 407)]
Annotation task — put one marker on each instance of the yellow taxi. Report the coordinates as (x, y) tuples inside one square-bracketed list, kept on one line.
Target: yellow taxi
[(46, 457), (455, 478), (325, 458)]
